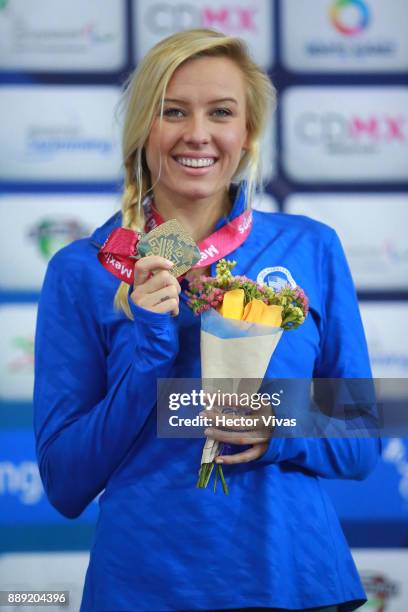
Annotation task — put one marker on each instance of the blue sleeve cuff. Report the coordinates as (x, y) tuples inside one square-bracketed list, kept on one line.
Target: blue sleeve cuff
[(156, 334), (147, 316)]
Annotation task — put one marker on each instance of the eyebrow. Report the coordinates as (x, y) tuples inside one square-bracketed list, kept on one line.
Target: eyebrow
[(217, 101)]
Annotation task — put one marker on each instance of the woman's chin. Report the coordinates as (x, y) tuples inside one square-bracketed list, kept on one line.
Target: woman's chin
[(196, 193)]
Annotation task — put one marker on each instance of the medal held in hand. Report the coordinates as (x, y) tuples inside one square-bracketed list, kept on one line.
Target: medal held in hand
[(171, 241)]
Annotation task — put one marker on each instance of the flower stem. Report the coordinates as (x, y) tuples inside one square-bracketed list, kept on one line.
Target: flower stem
[(204, 476), (208, 475), (216, 478), (223, 482)]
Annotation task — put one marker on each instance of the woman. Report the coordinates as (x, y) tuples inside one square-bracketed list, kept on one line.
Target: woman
[(196, 109)]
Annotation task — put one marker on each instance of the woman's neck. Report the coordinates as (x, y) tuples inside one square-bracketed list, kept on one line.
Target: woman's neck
[(198, 218)]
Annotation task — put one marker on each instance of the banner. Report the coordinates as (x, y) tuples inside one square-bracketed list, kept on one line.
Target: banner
[(251, 20), (345, 36), (371, 227), (345, 134), (36, 226), (57, 36), (59, 133)]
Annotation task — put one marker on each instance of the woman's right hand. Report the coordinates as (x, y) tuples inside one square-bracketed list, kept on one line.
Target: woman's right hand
[(154, 288)]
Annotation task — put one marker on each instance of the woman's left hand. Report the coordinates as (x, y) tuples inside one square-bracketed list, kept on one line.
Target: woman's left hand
[(251, 433)]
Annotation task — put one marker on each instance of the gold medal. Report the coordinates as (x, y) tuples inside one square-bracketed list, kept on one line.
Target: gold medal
[(171, 241)]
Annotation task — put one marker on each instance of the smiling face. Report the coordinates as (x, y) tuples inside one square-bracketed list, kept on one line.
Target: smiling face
[(194, 151)]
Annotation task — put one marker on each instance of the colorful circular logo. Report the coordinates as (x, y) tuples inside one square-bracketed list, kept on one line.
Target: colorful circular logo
[(337, 15)]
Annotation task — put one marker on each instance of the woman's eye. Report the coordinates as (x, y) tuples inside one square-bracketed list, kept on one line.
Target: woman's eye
[(175, 113), (222, 112)]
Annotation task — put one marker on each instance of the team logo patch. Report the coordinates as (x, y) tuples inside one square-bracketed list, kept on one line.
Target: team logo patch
[(276, 277)]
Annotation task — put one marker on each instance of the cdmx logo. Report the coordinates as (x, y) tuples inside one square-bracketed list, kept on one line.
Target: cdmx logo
[(164, 18), (331, 128), (358, 23)]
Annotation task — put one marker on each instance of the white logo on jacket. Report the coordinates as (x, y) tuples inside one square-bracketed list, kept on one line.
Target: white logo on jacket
[(276, 277)]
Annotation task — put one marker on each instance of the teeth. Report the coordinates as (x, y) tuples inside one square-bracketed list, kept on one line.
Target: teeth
[(202, 162)]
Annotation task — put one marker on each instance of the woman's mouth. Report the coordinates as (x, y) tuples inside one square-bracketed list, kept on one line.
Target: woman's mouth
[(195, 162)]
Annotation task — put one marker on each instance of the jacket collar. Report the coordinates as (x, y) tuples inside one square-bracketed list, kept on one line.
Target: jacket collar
[(101, 233), (237, 192)]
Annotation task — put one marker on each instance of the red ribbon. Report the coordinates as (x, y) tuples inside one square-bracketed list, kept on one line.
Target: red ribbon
[(119, 251)]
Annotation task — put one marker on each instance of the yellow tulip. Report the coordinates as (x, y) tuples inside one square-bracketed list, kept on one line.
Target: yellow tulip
[(232, 306), (259, 312)]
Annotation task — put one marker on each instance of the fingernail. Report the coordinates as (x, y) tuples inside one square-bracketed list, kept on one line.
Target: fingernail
[(219, 460), (169, 263)]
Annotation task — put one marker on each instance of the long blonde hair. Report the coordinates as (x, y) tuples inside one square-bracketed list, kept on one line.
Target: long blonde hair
[(144, 97)]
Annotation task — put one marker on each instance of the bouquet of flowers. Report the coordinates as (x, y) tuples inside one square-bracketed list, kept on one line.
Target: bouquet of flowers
[(241, 325)]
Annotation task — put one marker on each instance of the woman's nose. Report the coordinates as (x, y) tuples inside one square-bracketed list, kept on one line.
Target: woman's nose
[(197, 130)]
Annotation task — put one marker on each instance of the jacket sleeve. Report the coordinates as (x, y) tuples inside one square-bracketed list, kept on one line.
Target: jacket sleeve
[(83, 428), (343, 354)]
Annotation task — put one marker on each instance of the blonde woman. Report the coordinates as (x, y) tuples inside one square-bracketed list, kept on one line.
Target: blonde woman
[(196, 109)]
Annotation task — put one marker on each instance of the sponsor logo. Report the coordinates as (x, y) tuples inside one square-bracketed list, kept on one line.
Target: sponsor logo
[(276, 277), (389, 359), (348, 134), (25, 37), (24, 361), (350, 17), (351, 35), (388, 355), (71, 39), (163, 19), (379, 258), (384, 359), (17, 322), (49, 141), (386, 252), (379, 588), (384, 48), (250, 20), (394, 253), (22, 481), (66, 132), (51, 234), (382, 266)]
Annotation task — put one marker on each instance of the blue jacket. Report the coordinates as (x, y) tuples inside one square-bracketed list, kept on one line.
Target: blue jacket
[(160, 543)]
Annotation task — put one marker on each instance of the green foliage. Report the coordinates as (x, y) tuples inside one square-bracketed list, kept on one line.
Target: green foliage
[(207, 292)]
